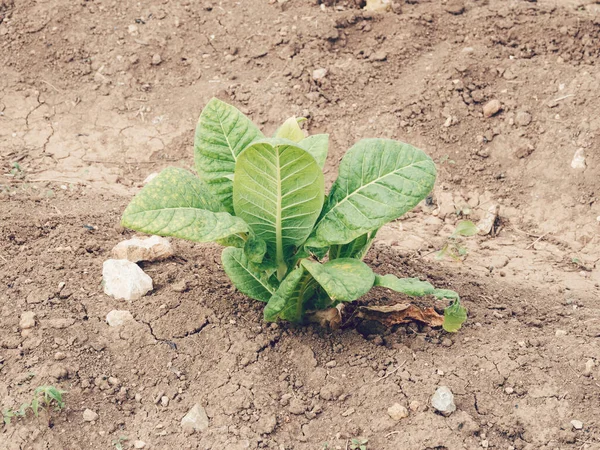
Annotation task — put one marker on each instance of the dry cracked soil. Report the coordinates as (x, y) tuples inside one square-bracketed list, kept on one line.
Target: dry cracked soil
[(95, 95)]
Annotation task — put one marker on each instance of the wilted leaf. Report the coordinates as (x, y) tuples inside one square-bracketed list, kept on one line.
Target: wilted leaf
[(454, 317), (465, 228), (401, 313)]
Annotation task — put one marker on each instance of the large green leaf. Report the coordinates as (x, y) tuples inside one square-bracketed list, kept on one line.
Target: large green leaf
[(288, 302), (221, 135), (317, 145), (248, 281), (379, 180), (176, 203), (278, 190), (357, 248), (343, 279)]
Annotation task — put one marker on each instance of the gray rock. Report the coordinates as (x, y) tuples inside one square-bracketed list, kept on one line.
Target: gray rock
[(90, 416), (27, 320), (123, 279), (195, 420), (443, 401), (151, 248), (397, 411), (117, 318)]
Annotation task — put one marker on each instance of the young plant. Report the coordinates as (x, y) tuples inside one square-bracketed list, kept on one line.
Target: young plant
[(287, 243), (358, 444), (454, 247), (43, 397)]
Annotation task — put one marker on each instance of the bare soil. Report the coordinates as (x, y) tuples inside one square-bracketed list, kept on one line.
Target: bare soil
[(88, 110)]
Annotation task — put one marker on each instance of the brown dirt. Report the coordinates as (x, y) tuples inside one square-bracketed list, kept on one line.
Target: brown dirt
[(87, 116)]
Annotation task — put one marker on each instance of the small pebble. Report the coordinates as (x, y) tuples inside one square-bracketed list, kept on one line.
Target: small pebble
[(509, 390), (577, 424), (59, 356), (139, 444), (156, 59), (491, 108), (27, 320), (443, 401), (164, 400), (560, 333), (589, 367), (319, 74), (397, 412), (89, 415)]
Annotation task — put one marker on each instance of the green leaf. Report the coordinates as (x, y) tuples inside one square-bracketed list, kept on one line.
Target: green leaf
[(35, 406), (55, 395), (343, 279), (278, 190), (221, 135), (176, 203), (445, 293), (408, 286), (232, 241), (454, 316), (465, 228), (288, 302), (379, 180), (290, 130), (255, 249), (254, 284), (317, 145), (356, 248)]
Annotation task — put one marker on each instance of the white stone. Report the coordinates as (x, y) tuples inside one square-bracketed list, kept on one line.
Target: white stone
[(123, 279), (196, 419), (378, 5), (443, 401), (150, 177), (397, 411), (136, 249), (319, 74), (578, 161), (27, 320), (117, 318), (589, 367), (139, 444), (90, 416), (560, 333), (577, 424)]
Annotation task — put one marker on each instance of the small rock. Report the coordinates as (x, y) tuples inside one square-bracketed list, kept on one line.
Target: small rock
[(90, 416), (117, 318), (297, 406), (491, 108), (156, 59), (180, 286), (577, 424), (319, 74), (348, 412), (447, 342), (397, 411), (378, 5), (578, 161), (560, 333), (455, 7), (266, 424), (485, 443), (523, 118), (414, 406), (509, 390), (164, 400), (59, 324), (59, 356), (486, 224), (151, 248), (27, 320), (443, 401), (123, 279), (139, 444), (589, 367), (195, 420)]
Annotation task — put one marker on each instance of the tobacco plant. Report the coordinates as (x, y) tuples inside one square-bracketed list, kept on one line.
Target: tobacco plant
[(287, 243)]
